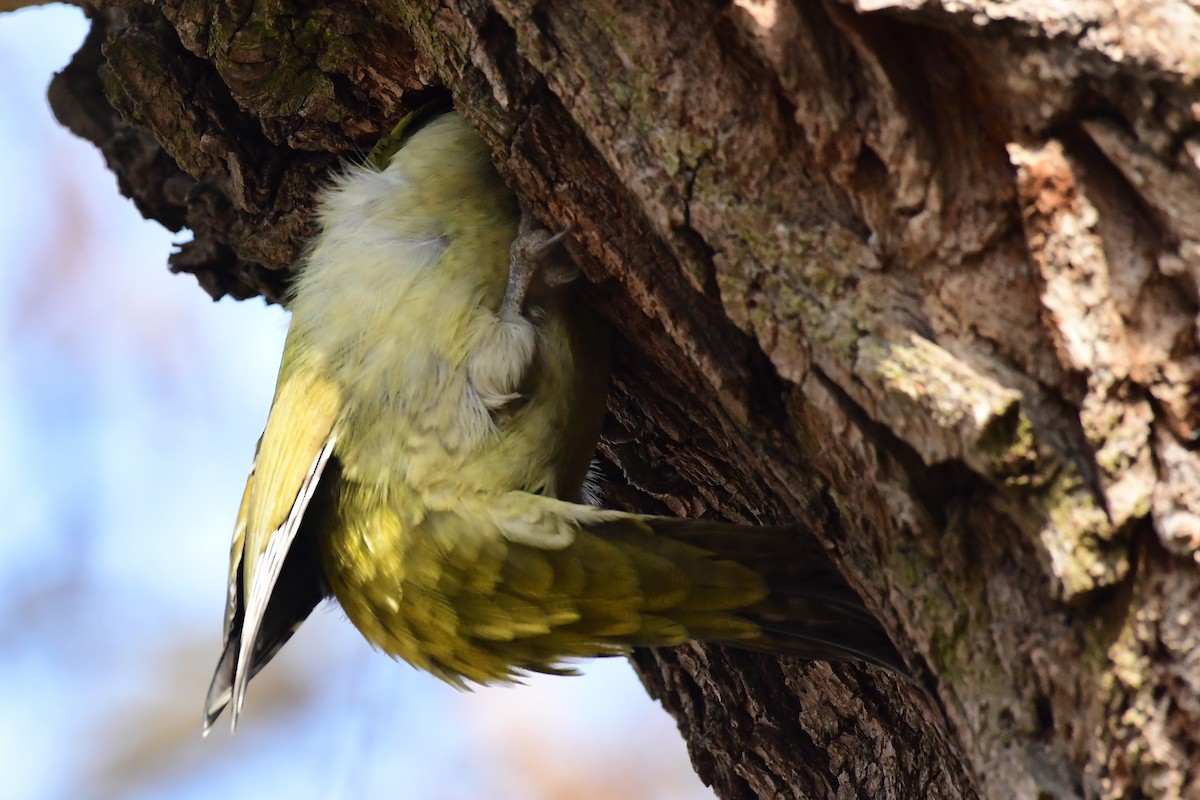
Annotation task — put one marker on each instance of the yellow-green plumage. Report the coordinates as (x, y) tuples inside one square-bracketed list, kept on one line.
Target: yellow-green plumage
[(425, 453)]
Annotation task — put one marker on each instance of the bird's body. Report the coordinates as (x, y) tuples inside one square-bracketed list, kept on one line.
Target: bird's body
[(426, 449)]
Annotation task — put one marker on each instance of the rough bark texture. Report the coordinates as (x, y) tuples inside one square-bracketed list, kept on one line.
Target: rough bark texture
[(919, 275)]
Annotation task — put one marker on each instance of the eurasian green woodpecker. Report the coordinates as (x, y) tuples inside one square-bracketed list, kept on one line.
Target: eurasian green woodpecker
[(439, 400)]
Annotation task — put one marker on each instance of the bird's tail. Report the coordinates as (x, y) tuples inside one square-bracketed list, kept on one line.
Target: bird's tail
[(522, 582), (764, 588)]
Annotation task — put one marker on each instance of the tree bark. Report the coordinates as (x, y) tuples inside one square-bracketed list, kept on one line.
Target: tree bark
[(919, 276)]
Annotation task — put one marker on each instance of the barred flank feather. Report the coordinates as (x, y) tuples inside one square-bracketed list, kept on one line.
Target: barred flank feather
[(485, 589)]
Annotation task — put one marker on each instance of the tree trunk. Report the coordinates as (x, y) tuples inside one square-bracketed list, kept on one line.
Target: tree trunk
[(919, 276)]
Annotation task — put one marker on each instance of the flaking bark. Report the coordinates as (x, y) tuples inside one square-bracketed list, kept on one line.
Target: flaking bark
[(920, 276)]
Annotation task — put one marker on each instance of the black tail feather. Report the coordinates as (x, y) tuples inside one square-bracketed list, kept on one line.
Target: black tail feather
[(810, 611)]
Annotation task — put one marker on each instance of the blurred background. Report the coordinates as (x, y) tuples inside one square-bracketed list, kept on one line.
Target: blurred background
[(129, 408)]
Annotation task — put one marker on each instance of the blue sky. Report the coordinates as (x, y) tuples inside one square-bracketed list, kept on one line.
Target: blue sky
[(129, 408)]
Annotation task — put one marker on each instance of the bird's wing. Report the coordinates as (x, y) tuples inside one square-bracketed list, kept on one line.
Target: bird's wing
[(219, 690), (292, 455)]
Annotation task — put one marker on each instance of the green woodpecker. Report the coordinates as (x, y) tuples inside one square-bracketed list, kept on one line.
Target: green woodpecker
[(438, 403)]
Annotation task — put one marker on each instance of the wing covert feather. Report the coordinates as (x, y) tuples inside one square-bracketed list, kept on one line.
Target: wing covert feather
[(301, 422)]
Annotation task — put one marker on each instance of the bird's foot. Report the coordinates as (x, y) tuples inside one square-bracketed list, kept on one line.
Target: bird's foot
[(530, 257)]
